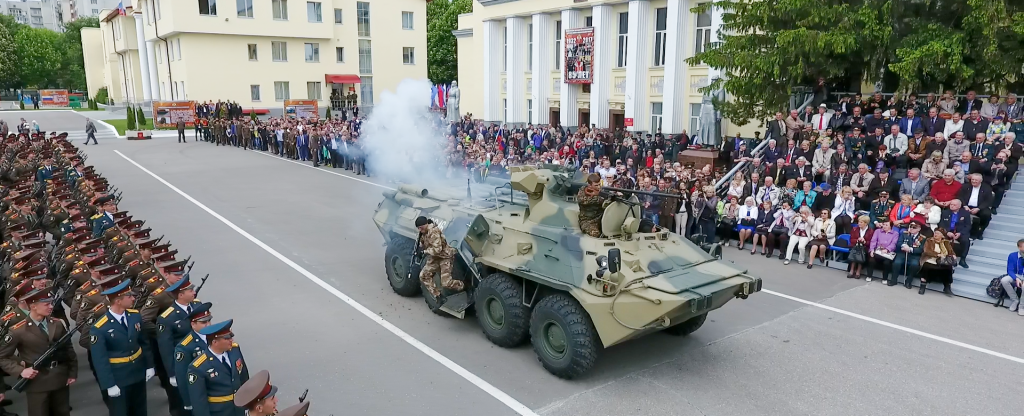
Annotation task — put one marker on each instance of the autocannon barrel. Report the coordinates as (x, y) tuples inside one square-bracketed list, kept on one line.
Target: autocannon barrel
[(631, 191)]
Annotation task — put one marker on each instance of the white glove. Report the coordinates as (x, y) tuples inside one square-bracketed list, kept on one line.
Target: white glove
[(188, 407), (114, 392), (150, 373), (174, 382)]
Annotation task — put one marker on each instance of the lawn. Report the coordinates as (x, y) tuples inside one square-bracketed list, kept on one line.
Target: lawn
[(122, 125)]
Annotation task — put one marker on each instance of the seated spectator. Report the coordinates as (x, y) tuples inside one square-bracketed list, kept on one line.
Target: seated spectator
[(910, 247), (914, 185), (799, 171), (880, 209), (789, 192), (978, 197), (938, 260), (861, 234), (765, 215), (946, 189), (747, 217), (843, 210), (778, 231), (729, 213), (825, 199), (882, 250), (902, 214), (956, 221), (769, 192), (883, 182), (805, 197), (823, 235), (736, 186), (928, 213), (1014, 277), (999, 178), (861, 184), (799, 234), (933, 167)]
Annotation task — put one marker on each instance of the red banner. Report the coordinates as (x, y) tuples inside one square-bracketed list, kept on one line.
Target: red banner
[(53, 98), (579, 56)]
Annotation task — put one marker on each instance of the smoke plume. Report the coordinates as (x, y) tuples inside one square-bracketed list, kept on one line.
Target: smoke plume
[(400, 139)]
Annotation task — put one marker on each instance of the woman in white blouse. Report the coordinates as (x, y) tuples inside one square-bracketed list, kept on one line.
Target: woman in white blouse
[(929, 211), (746, 220), (844, 209), (823, 234), (736, 187), (799, 234), (953, 126)]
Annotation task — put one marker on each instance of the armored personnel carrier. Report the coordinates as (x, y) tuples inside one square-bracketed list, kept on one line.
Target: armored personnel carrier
[(533, 276)]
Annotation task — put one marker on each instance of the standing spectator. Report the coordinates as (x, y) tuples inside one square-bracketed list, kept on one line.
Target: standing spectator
[(180, 125), (978, 199), (1014, 277), (999, 178), (669, 206), (861, 234), (683, 216), (956, 220), (90, 131)]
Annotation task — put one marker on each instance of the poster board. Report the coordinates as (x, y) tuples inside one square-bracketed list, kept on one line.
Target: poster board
[(167, 113), (302, 108), (579, 56), (53, 98)]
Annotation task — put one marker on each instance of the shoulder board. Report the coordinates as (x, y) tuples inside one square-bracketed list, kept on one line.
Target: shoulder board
[(40, 168), (187, 340), (199, 360), (86, 285), (132, 310), (234, 345), (158, 291), (92, 292), (153, 279), (9, 316), (167, 312), (19, 325), (96, 216), (101, 322), (98, 307)]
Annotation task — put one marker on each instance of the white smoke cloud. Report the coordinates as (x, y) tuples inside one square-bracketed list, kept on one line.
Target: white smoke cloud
[(399, 136)]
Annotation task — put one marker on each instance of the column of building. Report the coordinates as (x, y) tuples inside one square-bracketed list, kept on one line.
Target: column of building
[(569, 108), (140, 37), (676, 69), (515, 74), (637, 63), (493, 33), (604, 44), (154, 76), (543, 38)]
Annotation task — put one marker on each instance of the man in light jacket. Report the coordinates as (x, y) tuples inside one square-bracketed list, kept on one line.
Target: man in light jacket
[(915, 186)]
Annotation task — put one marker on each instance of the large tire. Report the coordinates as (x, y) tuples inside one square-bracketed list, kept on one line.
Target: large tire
[(500, 310), (397, 259), (688, 326), (563, 336)]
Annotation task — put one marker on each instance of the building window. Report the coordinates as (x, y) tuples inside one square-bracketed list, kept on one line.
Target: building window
[(208, 7), (170, 49), (529, 111), (337, 16), (244, 8), (623, 38), (408, 57), (313, 12), (407, 20), (660, 35), (252, 52), (281, 91), (95, 11), (365, 57), (93, 1), (558, 45), (589, 21), (313, 91), (340, 53), (703, 35), (694, 119), (184, 94), (117, 29), (178, 42), (280, 9), (655, 116), (280, 51), (363, 18), (504, 50), (254, 92), (529, 46), (159, 54), (366, 91), (163, 89), (504, 109), (156, 10), (312, 52)]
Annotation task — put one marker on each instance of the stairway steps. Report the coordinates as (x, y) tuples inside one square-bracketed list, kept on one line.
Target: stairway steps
[(966, 283)]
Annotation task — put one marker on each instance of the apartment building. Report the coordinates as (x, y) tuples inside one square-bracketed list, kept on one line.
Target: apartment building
[(43, 14)]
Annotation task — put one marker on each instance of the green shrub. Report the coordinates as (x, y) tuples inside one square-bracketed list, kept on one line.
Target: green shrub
[(328, 113), (101, 96), (141, 116), (131, 118), (21, 104), (253, 115)]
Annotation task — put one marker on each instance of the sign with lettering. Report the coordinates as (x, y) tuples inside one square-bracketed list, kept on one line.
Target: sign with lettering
[(579, 56), (167, 113)]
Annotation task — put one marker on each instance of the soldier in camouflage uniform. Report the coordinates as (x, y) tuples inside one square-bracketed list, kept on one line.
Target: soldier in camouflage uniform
[(439, 256), (592, 206)]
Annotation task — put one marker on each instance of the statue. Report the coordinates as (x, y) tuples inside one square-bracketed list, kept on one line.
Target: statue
[(710, 119), (453, 102)]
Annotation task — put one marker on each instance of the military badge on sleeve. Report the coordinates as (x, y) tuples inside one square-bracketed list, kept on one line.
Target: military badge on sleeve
[(93, 339), (7, 339), (179, 356), (138, 327), (192, 378), (160, 327), (150, 303)]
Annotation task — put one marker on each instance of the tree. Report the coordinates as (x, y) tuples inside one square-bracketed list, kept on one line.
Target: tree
[(442, 51), (8, 60), (140, 116), (328, 115), (72, 58), (130, 125), (769, 48), (37, 50)]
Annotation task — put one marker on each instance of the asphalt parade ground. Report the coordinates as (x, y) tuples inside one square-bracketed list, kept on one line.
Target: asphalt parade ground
[(294, 258)]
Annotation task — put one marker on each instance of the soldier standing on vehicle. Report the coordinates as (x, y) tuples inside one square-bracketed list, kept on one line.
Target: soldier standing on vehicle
[(591, 205), (439, 258)]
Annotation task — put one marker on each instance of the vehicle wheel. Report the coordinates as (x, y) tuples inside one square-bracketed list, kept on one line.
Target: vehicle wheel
[(688, 326), (563, 336), (397, 259), (500, 311)]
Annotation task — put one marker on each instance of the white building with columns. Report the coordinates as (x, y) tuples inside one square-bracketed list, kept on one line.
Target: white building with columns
[(512, 63)]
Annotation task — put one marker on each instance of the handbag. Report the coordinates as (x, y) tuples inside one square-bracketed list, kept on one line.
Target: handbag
[(858, 254), (947, 261), (729, 221), (885, 254), (747, 222)]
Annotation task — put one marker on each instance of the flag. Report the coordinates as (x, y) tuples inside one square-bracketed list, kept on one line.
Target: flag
[(120, 9), (442, 95), (433, 96), (501, 140)]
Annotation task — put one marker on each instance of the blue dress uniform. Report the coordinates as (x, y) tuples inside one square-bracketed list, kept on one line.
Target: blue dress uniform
[(212, 383), (188, 349), (173, 324), (102, 222), (45, 173), (910, 261), (121, 357)]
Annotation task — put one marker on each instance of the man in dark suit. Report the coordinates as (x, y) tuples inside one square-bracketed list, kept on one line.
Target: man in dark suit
[(799, 171), (933, 123), (752, 186), (874, 120), (883, 182), (970, 103), (977, 198), (840, 177), (956, 221), (909, 123), (776, 128), (974, 125)]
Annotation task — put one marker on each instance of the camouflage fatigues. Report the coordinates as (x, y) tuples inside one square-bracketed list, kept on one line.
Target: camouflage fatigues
[(439, 258), (591, 209)]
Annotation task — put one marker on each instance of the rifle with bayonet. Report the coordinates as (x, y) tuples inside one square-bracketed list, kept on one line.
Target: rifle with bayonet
[(201, 283)]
